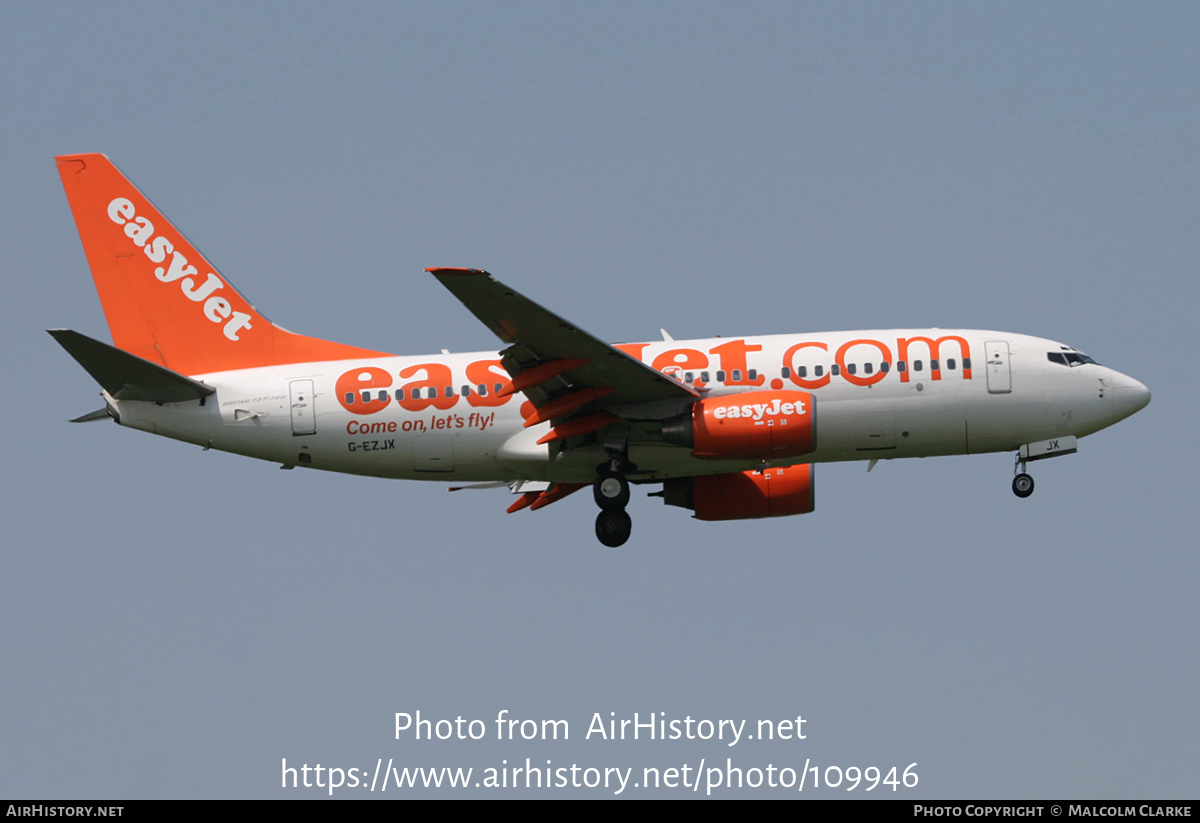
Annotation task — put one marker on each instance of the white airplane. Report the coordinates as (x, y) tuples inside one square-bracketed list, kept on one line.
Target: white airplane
[(727, 426)]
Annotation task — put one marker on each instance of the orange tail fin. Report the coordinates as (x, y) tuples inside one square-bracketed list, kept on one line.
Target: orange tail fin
[(163, 301)]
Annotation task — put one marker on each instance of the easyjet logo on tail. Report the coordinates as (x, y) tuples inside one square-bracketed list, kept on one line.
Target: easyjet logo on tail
[(215, 307)]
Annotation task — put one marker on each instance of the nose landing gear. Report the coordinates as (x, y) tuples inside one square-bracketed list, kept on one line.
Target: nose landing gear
[(611, 491), (1022, 484)]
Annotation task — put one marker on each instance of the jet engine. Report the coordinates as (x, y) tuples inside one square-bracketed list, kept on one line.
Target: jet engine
[(760, 425), (744, 495)]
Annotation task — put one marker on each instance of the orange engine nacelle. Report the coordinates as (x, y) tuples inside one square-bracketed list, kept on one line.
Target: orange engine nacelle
[(760, 425), (744, 495)]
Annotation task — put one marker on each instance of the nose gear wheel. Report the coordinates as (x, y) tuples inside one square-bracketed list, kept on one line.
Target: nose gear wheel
[(1022, 485)]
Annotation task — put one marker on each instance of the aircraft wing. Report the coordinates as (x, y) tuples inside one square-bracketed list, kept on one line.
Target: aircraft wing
[(543, 345)]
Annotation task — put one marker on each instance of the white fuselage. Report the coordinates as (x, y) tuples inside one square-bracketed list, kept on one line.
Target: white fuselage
[(1011, 394)]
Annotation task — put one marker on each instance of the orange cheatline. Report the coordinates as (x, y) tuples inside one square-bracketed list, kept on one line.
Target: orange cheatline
[(567, 404), (523, 501), (556, 492), (575, 428), (539, 374)]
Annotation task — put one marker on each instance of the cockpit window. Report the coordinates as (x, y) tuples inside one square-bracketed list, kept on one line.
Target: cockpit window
[(1070, 358)]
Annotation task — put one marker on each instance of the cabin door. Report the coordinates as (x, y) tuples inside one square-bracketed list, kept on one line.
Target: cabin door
[(999, 374), (304, 418)]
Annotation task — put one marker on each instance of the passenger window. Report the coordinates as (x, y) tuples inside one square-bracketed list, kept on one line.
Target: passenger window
[(448, 391), (466, 391), (482, 389), (399, 394), (350, 398), (818, 370), (366, 397), (850, 367), (933, 365), (383, 395), (835, 370), (497, 387), (885, 367), (753, 374), (431, 393), (689, 377), (720, 377), (951, 364), (704, 376), (916, 365), (803, 371), (966, 362), (785, 372), (901, 366), (737, 375), (868, 368)]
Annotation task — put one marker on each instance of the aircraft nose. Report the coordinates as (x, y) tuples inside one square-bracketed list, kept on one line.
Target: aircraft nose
[(1129, 396)]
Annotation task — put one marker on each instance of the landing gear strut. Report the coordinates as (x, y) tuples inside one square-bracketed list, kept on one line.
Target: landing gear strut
[(1022, 484), (611, 491)]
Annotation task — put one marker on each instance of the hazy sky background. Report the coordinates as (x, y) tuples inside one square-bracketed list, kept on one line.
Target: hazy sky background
[(174, 622)]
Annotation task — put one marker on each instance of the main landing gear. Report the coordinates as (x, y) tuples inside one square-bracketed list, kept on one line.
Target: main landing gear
[(613, 527), (611, 490), (1022, 484)]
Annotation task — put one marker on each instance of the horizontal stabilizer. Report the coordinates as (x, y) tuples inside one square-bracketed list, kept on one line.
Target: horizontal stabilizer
[(126, 376), (491, 484), (98, 414)]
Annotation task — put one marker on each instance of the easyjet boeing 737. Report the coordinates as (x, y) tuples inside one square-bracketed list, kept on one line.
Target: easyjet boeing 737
[(729, 428)]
